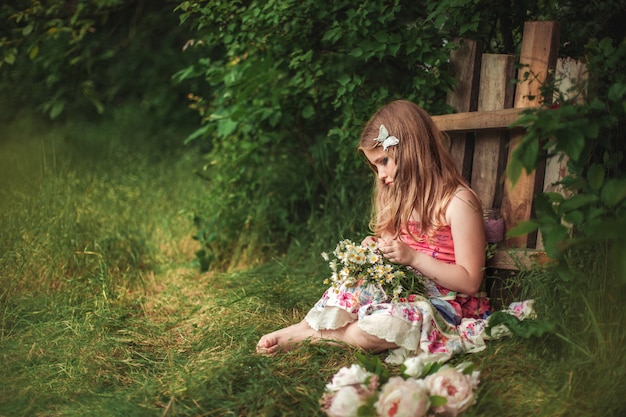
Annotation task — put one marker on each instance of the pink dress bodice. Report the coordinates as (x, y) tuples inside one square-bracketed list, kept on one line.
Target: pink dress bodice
[(440, 246)]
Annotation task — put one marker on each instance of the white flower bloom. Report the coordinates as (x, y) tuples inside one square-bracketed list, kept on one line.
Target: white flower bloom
[(397, 291), (415, 365), (325, 256), (353, 375), (373, 258), (403, 398), (372, 245), (351, 256), (379, 270), (359, 258), (346, 402), (457, 388)]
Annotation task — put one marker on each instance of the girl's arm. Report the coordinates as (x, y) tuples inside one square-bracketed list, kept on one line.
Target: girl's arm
[(468, 233)]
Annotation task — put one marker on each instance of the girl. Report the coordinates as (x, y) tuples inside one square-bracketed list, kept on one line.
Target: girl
[(424, 216)]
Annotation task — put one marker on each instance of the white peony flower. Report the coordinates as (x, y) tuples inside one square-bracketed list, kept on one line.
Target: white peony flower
[(415, 365), (353, 375), (345, 402), (403, 398), (456, 387)]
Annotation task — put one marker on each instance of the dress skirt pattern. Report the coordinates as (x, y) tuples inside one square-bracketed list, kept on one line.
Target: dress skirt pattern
[(415, 324)]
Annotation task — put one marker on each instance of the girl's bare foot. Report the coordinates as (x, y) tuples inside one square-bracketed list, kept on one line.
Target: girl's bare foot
[(285, 339)]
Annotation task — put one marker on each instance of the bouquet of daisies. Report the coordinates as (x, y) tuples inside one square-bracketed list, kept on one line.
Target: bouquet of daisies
[(355, 265)]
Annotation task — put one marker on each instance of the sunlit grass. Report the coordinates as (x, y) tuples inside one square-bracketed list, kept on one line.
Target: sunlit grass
[(103, 310)]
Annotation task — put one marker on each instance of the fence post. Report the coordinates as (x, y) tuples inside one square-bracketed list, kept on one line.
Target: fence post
[(495, 93), (465, 61), (537, 62)]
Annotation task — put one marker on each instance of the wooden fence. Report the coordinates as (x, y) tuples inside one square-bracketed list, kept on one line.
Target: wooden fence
[(487, 100)]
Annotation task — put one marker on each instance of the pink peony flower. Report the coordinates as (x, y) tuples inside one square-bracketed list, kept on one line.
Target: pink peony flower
[(455, 386), (403, 398)]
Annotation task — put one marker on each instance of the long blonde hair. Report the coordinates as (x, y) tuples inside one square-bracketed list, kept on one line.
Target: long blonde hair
[(426, 178)]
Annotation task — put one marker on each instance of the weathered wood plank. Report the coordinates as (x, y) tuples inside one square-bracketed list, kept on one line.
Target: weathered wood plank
[(495, 92), (569, 74), (477, 120), (537, 62), (465, 61)]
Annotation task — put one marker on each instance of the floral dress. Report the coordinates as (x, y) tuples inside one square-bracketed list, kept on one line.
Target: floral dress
[(443, 322)]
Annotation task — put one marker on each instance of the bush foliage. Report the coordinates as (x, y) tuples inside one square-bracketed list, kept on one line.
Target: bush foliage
[(87, 56), (282, 88), (291, 84)]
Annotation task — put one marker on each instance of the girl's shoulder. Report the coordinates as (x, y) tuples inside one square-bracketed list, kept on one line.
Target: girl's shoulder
[(463, 200)]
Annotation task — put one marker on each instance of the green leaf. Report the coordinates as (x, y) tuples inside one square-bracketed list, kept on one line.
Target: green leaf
[(343, 79), (356, 52), (468, 369), (381, 37), (226, 126), (528, 152), (308, 111), (514, 170), (573, 143), (437, 401), (617, 92), (34, 51), (575, 217), (555, 238), (613, 192), (27, 30), (595, 176), (366, 410), (198, 133), (57, 109), (523, 228), (10, 55), (578, 201)]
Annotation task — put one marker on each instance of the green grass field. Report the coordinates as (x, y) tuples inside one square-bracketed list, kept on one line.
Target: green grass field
[(103, 310)]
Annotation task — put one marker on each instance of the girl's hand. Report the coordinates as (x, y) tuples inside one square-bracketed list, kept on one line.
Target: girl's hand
[(397, 251), (369, 240)]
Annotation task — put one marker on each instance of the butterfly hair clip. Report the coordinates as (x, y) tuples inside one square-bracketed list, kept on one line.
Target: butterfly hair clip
[(384, 138)]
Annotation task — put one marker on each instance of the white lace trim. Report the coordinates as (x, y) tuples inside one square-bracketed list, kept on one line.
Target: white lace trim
[(393, 330), (329, 318)]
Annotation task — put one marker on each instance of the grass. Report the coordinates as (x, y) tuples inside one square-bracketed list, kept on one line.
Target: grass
[(103, 310)]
